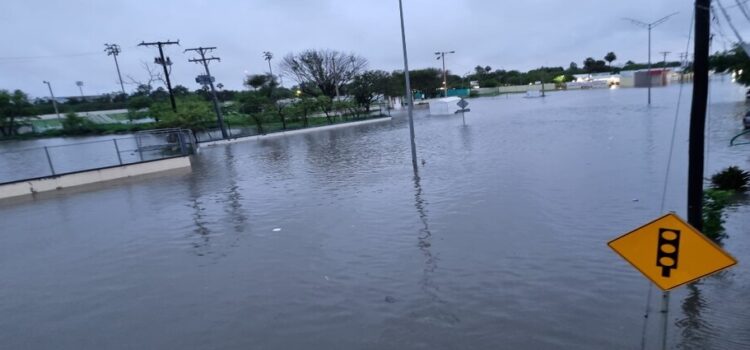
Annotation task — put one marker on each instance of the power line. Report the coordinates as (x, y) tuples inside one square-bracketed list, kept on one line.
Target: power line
[(10, 58), (164, 63), (202, 51)]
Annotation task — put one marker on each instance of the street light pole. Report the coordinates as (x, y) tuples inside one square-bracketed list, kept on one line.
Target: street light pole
[(409, 98), (267, 55), (441, 56), (54, 102), (649, 26)]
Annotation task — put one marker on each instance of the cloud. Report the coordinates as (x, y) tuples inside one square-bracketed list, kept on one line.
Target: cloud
[(503, 34)]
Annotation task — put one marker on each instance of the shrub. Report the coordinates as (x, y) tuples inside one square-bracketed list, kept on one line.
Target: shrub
[(714, 201), (74, 124), (731, 178)]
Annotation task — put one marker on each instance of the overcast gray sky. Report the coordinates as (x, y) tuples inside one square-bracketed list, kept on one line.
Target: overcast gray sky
[(62, 41)]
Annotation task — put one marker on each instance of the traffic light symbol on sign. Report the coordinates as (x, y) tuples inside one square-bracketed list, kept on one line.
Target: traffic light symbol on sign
[(668, 250)]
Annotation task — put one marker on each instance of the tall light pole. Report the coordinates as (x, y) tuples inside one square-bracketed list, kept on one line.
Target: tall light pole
[(649, 26), (114, 50), (409, 97), (441, 56), (267, 55), (80, 88), (54, 102)]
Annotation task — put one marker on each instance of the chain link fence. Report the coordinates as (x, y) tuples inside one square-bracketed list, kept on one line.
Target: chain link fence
[(32, 163)]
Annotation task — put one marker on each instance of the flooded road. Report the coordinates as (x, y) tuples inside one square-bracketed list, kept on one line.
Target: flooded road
[(328, 240)]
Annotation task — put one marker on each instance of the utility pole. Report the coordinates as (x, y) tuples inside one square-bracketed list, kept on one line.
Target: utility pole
[(114, 50), (698, 114), (664, 63), (54, 102), (650, 26), (164, 63), (441, 56), (202, 52), (267, 55), (409, 97)]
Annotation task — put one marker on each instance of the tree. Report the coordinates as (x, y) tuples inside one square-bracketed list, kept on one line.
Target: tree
[(195, 114), (75, 124), (13, 106), (303, 107), (609, 57), (366, 86), (591, 65), (179, 90), (327, 70), (735, 60), (255, 81), (254, 105), (136, 105), (325, 104)]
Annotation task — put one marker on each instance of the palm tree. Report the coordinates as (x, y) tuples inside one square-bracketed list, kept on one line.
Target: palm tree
[(609, 57)]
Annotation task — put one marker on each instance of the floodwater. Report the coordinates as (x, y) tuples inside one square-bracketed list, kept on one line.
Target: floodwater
[(328, 240)]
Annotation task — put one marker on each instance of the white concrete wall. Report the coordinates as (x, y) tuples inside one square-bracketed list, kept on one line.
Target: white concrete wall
[(89, 177), (292, 132)]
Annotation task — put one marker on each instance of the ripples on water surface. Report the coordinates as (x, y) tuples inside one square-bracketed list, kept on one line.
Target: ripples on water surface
[(499, 242)]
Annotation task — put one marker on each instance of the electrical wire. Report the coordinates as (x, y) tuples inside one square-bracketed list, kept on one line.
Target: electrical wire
[(49, 56)]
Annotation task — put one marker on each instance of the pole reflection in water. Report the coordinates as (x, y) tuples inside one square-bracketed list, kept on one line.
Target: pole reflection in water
[(427, 282), (201, 233), (693, 326)]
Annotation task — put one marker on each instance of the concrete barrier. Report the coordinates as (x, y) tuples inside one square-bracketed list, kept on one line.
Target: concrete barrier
[(51, 183), (292, 132)]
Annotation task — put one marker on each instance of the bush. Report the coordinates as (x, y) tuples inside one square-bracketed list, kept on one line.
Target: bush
[(714, 201), (192, 113), (73, 124), (732, 178)]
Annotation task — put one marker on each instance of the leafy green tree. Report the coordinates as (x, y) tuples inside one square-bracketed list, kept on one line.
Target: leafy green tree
[(14, 106), (325, 104), (255, 81), (194, 114), (254, 104), (136, 105), (77, 125), (609, 57), (180, 91), (303, 108), (735, 61), (366, 86)]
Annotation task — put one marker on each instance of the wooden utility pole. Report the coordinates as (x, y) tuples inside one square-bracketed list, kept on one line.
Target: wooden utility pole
[(698, 113), (204, 60), (164, 63)]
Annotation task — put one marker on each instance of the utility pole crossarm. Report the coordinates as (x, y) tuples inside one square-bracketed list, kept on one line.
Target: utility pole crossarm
[(201, 60), (159, 43)]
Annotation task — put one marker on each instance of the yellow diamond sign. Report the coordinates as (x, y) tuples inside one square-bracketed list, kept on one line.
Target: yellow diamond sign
[(670, 252)]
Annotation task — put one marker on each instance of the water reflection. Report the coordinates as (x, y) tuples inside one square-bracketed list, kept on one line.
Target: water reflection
[(427, 283), (233, 208), (200, 234), (693, 326)]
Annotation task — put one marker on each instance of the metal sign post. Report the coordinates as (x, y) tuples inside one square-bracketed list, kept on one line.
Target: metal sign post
[(463, 104)]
